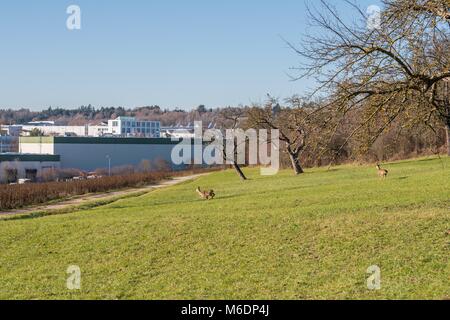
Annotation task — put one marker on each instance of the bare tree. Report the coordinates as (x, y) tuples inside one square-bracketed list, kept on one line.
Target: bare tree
[(396, 67), (297, 125), (231, 118)]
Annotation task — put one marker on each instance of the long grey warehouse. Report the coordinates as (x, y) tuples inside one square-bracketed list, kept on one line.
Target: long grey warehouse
[(89, 154)]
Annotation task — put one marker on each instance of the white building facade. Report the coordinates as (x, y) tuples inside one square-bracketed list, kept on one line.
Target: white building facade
[(131, 127)]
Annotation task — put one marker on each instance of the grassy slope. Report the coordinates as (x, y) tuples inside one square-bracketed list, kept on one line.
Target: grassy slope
[(280, 237)]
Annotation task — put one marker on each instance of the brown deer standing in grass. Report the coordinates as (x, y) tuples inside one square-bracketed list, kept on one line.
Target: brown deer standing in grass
[(382, 173), (206, 195)]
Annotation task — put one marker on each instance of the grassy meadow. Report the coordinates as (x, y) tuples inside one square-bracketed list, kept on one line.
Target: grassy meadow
[(273, 237)]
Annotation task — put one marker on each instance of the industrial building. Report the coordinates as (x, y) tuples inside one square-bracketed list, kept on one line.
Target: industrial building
[(129, 126), (11, 130), (123, 142), (185, 132), (178, 132), (54, 130), (120, 127), (14, 166), (89, 154), (9, 144)]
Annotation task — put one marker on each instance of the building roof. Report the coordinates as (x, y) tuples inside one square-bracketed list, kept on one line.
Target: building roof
[(100, 140), (133, 119), (25, 157)]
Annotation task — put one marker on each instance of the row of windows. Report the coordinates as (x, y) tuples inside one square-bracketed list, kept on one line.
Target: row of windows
[(138, 130), (136, 124)]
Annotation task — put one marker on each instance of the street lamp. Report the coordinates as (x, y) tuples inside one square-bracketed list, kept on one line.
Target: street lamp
[(109, 164)]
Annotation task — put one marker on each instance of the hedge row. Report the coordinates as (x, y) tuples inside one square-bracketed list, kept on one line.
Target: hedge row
[(19, 196)]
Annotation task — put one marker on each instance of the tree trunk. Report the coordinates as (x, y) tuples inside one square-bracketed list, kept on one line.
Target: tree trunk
[(447, 130), (296, 164), (239, 171)]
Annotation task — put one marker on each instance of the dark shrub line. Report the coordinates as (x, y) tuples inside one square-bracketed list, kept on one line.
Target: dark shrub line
[(19, 196)]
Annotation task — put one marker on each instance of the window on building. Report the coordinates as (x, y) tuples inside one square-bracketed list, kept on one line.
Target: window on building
[(133, 124), (147, 124), (11, 175), (31, 174), (138, 124), (115, 123)]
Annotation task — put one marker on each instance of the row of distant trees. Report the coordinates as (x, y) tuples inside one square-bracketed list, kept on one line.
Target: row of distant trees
[(90, 114)]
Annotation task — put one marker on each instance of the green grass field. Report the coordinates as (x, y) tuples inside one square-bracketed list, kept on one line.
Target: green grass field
[(280, 237)]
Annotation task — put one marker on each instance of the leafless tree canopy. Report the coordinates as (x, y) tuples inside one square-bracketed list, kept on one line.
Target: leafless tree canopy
[(397, 67), (299, 123), (232, 118)]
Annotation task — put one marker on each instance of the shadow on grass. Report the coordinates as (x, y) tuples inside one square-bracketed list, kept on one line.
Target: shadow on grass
[(162, 203), (72, 209), (429, 159)]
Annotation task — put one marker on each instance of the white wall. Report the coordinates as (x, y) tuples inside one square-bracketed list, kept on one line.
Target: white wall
[(22, 166), (80, 131), (59, 130), (37, 148), (97, 131)]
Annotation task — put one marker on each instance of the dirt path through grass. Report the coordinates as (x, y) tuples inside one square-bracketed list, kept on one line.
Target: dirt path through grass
[(80, 200)]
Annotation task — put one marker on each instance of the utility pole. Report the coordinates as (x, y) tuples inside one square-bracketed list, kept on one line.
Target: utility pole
[(109, 164)]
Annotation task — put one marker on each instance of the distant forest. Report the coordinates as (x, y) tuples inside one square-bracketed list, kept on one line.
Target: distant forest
[(92, 115)]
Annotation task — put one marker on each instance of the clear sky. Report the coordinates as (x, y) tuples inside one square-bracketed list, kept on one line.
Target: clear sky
[(146, 52)]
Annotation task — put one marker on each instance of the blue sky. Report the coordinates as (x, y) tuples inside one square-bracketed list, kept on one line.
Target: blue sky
[(135, 53)]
